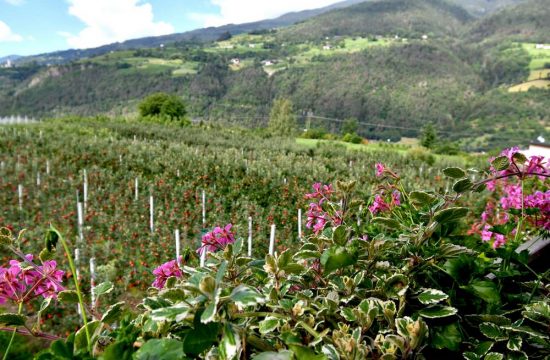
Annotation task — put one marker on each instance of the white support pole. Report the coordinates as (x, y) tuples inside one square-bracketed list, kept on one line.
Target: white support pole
[(80, 212), (178, 173), (20, 194), (151, 214), (38, 179), (203, 209), (136, 189), (300, 224), (47, 167), (92, 282), (85, 187), (272, 240), (177, 235), (359, 217), (250, 236)]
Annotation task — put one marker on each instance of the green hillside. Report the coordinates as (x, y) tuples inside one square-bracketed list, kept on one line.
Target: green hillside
[(407, 18), (527, 21), (392, 85)]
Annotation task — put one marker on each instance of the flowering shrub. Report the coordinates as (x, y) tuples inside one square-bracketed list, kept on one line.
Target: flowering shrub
[(395, 283)]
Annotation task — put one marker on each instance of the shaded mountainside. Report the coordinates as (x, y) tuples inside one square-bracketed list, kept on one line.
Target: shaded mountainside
[(481, 8), (407, 18), (528, 21)]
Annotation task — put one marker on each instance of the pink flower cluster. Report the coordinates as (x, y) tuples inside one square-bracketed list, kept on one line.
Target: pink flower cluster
[(217, 239), (21, 284), (317, 217), (380, 204), (379, 167), (540, 200), (487, 235), (535, 165), (166, 270)]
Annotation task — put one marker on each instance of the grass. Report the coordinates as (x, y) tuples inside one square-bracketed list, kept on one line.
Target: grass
[(541, 84)]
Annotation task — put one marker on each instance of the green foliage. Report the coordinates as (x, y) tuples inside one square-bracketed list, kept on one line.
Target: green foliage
[(352, 138), (164, 106), (429, 136), (281, 119)]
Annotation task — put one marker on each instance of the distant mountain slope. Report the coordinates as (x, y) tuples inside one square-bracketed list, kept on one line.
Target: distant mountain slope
[(528, 21), (199, 35), (480, 8), (403, 17)]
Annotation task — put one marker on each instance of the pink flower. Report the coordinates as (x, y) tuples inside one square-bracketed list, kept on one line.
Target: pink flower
[(217, 239), (17, 281), (316, 218), (379, 205), (379, 169), (321, 192), (166, 270), (486, 235), (499, 241), (396, 198)]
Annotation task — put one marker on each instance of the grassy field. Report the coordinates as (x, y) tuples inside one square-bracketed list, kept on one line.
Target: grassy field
[(538, 76)]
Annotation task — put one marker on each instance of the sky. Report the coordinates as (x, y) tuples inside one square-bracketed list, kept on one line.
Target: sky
[(36, 26)]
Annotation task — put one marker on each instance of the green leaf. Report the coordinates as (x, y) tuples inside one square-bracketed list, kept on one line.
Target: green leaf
[(500, 163), (450, 215), (68, 296), (421, 198), (244, 295), (113, 313), (448, 250), (307, 254), (51, 238), (209, 313), (493, 356), (80, 341), (519, 158), (493, 331), (268, 325), (201, 338), (230, 345), (340, 235), (432, 296), (176, 313), (468, 355), (462, 185), (271, 355), (45, 255), (437, 311), (304, 353), (483, 348), (331, 352), (514, 343), (486, 290), (10, 319), (160, 349), (104, 288), (391, 224), (446, 337), (454, 172), (338, 257)]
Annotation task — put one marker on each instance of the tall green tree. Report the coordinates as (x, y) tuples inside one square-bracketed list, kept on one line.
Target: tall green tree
[(282, 121), (428, 137)]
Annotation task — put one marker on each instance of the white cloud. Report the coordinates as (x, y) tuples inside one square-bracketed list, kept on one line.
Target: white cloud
[(15, 2), (6, 34), (109, 21), (241, 11)]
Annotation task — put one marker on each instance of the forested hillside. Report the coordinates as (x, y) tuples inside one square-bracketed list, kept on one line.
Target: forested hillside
[(400, 64)]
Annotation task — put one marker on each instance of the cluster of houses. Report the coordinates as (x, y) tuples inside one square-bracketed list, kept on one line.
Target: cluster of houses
[(237, 62), (542, 47)]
